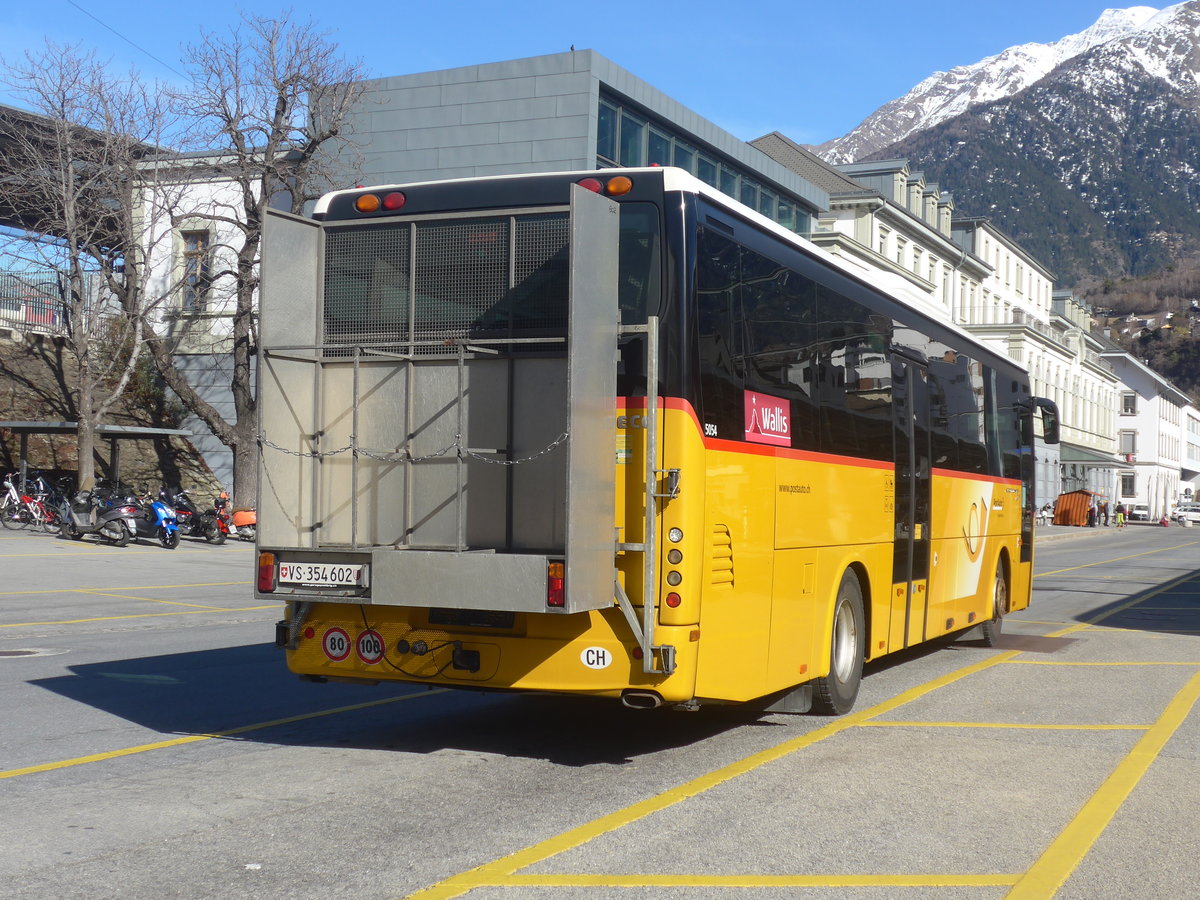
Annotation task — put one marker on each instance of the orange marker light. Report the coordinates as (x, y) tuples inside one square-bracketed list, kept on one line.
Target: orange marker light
[(367, 203), (619, 185)]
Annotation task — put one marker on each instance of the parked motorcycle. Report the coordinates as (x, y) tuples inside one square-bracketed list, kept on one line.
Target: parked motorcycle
[(153, 518), (82, 513), (211, 524), (245, 520)]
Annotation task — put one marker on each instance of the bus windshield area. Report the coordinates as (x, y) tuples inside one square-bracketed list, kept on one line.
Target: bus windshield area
[(424, 282)]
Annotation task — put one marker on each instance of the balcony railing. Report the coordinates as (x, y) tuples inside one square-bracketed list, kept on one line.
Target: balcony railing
[(32, 302)]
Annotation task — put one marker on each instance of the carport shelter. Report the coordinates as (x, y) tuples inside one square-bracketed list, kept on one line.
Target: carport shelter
[(114, 434)]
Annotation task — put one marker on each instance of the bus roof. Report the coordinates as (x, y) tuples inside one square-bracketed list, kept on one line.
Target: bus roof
[(676, 179)]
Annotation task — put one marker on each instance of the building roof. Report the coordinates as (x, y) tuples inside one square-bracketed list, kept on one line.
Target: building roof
[(807, 165)]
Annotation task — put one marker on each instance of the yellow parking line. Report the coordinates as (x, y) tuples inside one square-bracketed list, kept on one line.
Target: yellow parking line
[(194, 738), (503, 872), (498, 871), (1074, 842), (1016, 726), (149, 599), (1105, 562), (190, 612), (753, 881), (1049, 662), (126, 587)]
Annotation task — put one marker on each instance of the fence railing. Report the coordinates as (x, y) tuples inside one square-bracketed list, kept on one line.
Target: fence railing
[(32, 301)]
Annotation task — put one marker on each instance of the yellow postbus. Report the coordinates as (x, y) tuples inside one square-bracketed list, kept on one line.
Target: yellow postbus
[(614, 434)]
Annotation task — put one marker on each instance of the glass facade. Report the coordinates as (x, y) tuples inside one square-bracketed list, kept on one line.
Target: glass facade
[(626, 137)]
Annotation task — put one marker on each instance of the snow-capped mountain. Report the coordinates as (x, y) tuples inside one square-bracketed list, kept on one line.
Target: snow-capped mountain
[(944, 95), (1095, 166)]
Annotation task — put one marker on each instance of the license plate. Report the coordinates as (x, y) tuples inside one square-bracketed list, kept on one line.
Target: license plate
[(320, 574)]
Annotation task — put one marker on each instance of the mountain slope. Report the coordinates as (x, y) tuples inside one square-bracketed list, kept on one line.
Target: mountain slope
[(1094, 168), (944, 95)]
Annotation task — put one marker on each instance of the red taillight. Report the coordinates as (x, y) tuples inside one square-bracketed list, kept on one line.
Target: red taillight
[(555, 595), (614, 187), (394, 200), (266, 572), (673, 600)]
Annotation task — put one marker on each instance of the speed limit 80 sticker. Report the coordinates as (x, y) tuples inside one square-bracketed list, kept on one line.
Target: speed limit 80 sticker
[(336, 644)]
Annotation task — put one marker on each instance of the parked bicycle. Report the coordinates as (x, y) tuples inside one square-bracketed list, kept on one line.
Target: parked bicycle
[(19, 510)]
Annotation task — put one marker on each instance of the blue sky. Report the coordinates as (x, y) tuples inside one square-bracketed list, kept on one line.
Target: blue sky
[(810, 70)]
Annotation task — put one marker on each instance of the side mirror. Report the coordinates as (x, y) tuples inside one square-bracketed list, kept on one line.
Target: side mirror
[(1050, 419)]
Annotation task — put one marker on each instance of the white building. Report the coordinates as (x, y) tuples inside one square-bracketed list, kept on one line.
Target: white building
[(1150, 435)]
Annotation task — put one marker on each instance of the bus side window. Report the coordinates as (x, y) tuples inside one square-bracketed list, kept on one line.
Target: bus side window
[(717, 275), (957, 395), (779, 312), (855, 379), (944, 446)]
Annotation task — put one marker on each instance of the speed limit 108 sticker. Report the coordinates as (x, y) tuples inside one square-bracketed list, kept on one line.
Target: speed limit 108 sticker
[(336, 644), (370, 647)]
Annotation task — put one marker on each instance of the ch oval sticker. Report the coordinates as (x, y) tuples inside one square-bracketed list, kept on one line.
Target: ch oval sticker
[(596, 658)]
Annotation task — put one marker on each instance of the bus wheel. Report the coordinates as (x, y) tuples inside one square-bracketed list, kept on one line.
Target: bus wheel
[(989, 631), (835, 693)]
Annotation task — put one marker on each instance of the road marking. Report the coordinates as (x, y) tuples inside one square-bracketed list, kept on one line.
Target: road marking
[(189, 612), (1105, 562), (503, 872), (753, 881), (499, 871), (1044, 662), (1016, 726), (195, 738), (149, 599), (1074, 842), (126, 587)]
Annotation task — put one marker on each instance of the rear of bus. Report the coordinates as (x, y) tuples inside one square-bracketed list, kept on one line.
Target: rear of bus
[(461, 478)]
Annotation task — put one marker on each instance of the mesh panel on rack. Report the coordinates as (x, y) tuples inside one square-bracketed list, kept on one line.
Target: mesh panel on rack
[(417, 285), (367, 284)]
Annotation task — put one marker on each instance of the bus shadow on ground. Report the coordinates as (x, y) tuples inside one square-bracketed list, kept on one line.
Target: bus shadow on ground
[(1171, 610), (212, 692)]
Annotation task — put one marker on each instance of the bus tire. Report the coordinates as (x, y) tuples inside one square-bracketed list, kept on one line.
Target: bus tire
[(834, 694), (989, 631)]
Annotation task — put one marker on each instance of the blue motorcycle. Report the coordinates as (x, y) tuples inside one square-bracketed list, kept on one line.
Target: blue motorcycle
[(153, 519)]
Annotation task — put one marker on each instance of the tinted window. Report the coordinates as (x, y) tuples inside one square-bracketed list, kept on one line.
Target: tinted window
[(717, 266), (779, 309), (957, 398)]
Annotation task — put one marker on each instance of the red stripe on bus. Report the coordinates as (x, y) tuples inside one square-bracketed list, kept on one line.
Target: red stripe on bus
[(678, 404), (976, 476)]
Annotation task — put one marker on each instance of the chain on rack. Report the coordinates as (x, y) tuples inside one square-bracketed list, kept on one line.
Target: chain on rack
[(462, 452)]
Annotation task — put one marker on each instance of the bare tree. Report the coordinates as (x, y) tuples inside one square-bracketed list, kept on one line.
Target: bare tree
[(270, 100), (81, 241)]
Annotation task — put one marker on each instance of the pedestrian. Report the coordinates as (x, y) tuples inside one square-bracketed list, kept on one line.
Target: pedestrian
[(1104, 512), (1120, 515), (1091, 518)]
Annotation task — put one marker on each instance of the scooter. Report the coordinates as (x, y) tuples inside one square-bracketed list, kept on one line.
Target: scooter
[(245, 519), (153, 519), (82, 514), (211, 524)]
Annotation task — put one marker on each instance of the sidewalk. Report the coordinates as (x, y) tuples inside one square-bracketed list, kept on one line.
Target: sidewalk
[(1043, 533)]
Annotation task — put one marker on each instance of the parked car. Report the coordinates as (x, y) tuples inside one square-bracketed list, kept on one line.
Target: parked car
[(1139, 512), (1188, 511)]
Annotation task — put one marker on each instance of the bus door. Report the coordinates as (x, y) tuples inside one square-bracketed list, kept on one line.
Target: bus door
[(910, 567)]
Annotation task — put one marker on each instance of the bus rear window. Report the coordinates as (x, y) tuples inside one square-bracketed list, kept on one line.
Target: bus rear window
[(425, 282)]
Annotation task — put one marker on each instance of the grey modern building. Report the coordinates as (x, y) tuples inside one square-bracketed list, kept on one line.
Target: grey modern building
[(559, 113)]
